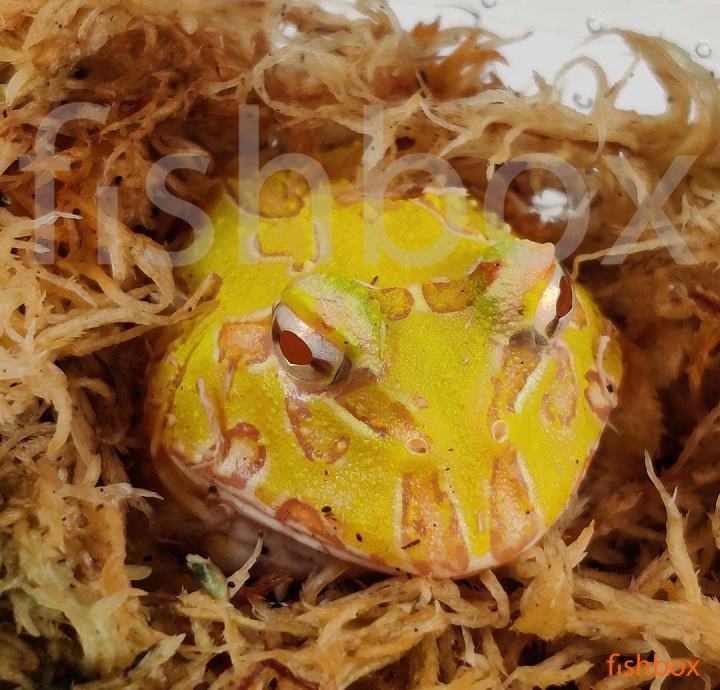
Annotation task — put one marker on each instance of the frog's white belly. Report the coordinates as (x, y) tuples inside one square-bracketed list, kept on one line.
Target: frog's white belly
[(234, 543)]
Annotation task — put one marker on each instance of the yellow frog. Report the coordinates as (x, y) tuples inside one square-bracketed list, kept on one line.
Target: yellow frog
[(431, 419)]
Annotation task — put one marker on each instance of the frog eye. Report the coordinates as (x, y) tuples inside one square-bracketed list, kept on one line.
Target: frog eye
[(556, 306), (305, 355)]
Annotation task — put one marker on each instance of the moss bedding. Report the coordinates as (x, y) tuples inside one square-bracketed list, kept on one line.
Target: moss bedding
[(88, 597)]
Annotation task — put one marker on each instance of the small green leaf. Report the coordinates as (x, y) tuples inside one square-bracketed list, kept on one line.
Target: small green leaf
[(209, 576)]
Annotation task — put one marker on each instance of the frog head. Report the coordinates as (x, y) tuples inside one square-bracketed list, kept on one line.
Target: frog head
[(432, 419)]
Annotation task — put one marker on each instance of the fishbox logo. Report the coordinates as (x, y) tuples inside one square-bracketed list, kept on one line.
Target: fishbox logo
[(643, 668)]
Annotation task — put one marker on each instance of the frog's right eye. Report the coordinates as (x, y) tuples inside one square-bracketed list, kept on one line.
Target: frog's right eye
[(306, 356)]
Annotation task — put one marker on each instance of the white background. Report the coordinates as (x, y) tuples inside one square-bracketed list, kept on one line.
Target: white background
[(563, 29)]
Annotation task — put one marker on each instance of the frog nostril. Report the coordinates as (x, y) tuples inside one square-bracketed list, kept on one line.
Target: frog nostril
[(294, 348)]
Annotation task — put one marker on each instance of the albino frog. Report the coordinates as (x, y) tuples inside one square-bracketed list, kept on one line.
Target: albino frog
[(432, 418)]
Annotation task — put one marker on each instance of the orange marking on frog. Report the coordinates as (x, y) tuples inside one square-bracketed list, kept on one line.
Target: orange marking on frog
[(430, 530), (447, 296), (292, 242), (560, 400), (518, 362), (396, 303), (244, 456), (244, 343), (484, 273), (297, 512), (381, 413), (316, 441), (580, 316), (515, 521), (597, 396)]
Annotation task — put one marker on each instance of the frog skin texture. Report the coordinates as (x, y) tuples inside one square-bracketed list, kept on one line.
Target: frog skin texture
[(432, 417)]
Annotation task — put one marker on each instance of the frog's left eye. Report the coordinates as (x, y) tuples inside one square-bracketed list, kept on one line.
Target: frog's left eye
[(556, 307), (307, 357)]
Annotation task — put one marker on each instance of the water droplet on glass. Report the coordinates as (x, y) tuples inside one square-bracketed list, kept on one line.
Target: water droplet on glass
[(583, 102), (594, 24), (489, 4), (703, 50)]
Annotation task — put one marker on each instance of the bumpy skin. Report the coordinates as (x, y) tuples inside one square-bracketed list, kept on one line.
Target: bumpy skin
[(458, 436)]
